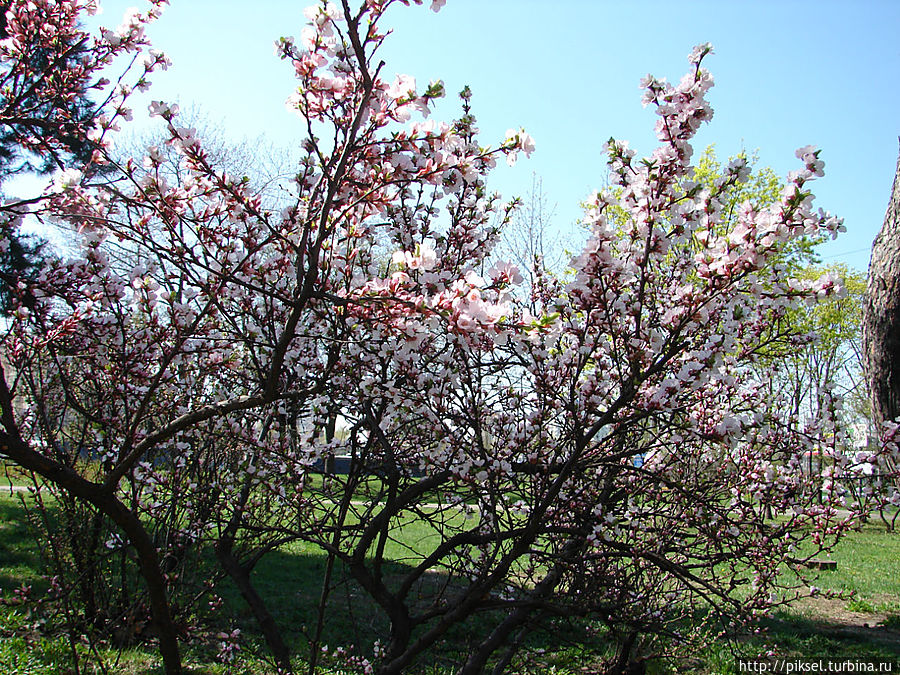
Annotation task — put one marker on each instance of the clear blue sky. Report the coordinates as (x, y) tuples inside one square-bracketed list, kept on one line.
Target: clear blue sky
[(788, 73)]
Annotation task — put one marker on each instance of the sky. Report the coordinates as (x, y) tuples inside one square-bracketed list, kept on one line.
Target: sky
[(788, 73)]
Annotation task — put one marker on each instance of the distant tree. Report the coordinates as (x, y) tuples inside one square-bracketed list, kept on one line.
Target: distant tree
[(44, 113), (833, 358), (21, 258), (530, 241), (42, 119)]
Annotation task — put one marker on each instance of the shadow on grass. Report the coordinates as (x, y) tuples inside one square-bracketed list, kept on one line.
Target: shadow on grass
[(291, 584), (290, 581), (20, 560), (813, 636)]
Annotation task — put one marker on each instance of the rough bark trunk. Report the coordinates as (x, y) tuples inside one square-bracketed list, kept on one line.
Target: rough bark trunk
[(881, 316)]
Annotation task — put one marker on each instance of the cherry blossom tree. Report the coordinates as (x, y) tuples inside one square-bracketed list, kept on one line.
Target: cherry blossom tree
[(184, 376), (48, 63)]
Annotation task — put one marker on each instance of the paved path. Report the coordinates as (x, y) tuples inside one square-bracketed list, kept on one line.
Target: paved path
[(15, 489), (12, 489)]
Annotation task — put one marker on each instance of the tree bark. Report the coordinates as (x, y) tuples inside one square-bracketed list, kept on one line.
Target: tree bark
[(881, 315)]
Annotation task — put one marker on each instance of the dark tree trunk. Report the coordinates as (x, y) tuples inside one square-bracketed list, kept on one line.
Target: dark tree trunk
[(13, 447), (105, 502), (240, 574), (881, 317), (241, 577)]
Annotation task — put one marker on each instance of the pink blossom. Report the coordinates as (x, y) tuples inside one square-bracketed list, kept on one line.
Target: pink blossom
[(160, 108), (515, 141), (505, 272), (404, 86)]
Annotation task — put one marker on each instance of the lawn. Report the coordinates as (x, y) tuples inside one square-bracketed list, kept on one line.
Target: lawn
[(864, 622)]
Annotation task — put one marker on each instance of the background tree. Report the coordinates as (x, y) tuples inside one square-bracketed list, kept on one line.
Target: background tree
[(21, 258), (531, 240), (829, 357)]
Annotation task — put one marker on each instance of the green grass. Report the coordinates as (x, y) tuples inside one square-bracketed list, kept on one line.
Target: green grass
[(19, 558), (868, 566), (12, 475), (290, 580)]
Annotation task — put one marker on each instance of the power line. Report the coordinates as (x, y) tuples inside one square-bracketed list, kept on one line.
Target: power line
[(838, 255)]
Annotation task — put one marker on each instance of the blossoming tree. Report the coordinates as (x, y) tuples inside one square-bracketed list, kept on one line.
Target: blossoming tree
[(598, 449)]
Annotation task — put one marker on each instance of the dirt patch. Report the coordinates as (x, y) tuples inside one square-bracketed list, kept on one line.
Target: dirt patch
[(835, 619)]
